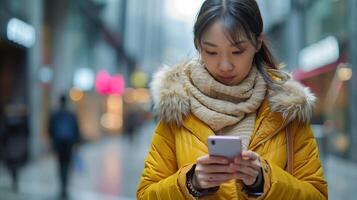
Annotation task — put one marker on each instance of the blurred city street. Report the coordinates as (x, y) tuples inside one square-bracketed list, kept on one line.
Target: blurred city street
[(111, 170)]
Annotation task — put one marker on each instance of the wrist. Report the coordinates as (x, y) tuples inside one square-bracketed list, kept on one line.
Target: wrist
[(194, 181), (195, 190)]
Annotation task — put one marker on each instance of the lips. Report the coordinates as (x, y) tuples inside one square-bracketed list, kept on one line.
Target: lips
[(226, 79)]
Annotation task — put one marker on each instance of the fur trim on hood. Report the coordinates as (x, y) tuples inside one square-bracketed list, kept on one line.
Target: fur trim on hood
[(172, 104)]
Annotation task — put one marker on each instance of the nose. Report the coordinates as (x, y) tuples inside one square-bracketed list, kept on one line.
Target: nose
[(225, 65)]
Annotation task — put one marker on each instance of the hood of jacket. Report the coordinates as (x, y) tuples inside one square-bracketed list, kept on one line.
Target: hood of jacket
[(172, 104)]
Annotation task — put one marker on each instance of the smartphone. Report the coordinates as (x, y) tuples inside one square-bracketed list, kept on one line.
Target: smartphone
[(226, 146)]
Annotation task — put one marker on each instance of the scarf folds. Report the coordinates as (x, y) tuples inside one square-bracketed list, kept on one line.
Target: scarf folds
[(227, 110)]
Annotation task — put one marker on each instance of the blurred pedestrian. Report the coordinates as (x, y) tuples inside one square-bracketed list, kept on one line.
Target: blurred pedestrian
[(131, 124), (234, 87), (64, 133), (133, 120), (15, 141)]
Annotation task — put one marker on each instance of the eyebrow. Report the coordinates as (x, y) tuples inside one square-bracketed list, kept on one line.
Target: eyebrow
[(214, 45)]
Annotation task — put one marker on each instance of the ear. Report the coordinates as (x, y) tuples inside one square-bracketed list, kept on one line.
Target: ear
[(198, 45), (260, 41)]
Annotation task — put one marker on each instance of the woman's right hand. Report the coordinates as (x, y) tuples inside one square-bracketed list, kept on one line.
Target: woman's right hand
[(212, 171)]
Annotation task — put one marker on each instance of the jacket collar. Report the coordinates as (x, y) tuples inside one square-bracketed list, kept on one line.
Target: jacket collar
[(171, 100), (198, 128)]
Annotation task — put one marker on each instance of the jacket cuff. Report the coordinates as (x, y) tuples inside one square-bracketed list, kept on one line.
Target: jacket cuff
[(181, 181)]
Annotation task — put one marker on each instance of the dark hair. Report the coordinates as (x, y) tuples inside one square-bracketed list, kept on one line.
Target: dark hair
[(238, 17)]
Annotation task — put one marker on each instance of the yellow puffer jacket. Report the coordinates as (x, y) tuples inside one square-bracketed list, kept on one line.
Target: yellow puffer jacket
[(175, 148)]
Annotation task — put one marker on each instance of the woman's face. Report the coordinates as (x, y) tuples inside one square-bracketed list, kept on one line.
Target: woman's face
[(228, 63)]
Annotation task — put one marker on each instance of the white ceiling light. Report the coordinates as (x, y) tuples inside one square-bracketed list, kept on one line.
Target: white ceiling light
[(83, 79), (20, 32)]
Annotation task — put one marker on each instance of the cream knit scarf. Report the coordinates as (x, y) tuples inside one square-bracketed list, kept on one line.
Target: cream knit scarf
[(228, 110)]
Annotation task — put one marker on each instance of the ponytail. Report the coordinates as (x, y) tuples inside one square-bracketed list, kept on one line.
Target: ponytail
[(265, 60)]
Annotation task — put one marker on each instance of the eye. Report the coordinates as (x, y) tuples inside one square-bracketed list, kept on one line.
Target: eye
[(211, 53), (237, 52)]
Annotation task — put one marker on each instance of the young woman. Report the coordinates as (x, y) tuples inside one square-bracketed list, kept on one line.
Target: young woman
[(233, 88)]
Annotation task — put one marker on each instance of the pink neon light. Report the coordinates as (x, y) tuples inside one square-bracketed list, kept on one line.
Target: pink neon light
[(102, 82), (106, 84), (117, 84)]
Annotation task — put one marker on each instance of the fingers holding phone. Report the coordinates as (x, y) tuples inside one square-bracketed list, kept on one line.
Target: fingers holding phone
[(247, 167), (212, 171), (218, 167)]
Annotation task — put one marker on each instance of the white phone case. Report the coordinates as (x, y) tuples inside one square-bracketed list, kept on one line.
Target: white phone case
[(226, 146)]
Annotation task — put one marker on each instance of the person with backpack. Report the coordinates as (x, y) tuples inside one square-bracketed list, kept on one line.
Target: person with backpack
[(64, 134)]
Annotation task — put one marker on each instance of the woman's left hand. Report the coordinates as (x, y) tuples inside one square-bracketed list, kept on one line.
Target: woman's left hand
[(247, 167)]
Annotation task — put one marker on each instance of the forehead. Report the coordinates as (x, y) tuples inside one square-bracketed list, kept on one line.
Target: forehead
[(217, 33)]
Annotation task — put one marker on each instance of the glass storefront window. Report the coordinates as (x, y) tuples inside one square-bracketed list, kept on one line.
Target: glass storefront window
[(326, 17)]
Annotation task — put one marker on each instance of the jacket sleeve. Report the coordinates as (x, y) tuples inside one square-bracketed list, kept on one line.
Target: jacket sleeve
[(307, 180), (161, 178)]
